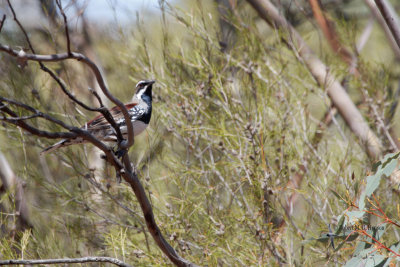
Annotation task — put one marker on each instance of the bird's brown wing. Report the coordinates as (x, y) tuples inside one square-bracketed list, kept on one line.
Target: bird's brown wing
[(100, 121)]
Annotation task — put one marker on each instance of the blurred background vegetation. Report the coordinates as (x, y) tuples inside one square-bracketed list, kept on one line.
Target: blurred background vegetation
[(238, 161)]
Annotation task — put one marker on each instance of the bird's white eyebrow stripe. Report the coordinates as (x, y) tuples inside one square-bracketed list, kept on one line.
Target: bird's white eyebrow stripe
[(140, 82)]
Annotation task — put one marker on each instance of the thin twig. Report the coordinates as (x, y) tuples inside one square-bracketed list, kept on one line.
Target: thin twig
[(2, 22), (99, 78), (96, 95), (4, 118), (365, 35), (58, 2), (21, 27), (74, 132), (64, 56), (36, 112)]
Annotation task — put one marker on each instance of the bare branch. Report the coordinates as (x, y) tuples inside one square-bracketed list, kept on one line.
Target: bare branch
[(74, 131), (2, 22), (29, 128), (58, 2), (29, 108), (59, 261), (145, 205), (20, 26), (63, 87), (19, 118), (87, 61), (96, 95), (99, 77)]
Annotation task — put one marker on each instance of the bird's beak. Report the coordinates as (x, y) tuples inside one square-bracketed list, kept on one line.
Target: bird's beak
[(151, 81)]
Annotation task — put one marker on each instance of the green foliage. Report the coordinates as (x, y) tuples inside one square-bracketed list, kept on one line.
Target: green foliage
[(365, 253)]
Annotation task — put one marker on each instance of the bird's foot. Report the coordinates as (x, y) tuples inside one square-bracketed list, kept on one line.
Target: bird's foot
[(119, 179), (120, 153)]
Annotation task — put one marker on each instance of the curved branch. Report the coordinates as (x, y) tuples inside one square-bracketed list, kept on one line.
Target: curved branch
[(36, 112), (74, 131), (97, 73), (59, 261), (58, 3), (145, 205), (2, 22)]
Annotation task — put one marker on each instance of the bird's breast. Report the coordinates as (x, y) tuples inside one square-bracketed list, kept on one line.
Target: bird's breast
[(139, 127)]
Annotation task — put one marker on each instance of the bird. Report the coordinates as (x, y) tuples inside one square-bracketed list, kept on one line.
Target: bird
[(139, 112)]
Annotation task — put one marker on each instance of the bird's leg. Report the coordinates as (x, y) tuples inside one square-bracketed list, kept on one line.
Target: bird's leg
[(119, 179), (121, 151)]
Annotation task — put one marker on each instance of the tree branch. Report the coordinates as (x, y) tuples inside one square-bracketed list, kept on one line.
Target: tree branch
[(74, 131), (78, 57), (145, 205), (58, 2), (96, 72), (2, 22)]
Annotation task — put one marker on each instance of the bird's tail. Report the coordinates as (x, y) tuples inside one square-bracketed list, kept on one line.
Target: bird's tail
[(50, 149)]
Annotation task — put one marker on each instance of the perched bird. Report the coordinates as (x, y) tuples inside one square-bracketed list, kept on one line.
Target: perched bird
[(139, 111)]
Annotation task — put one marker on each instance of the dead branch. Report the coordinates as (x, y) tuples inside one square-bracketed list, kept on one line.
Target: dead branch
[(58, 3), (2, 22), (92, 65), (100, 81), (97, 74)]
